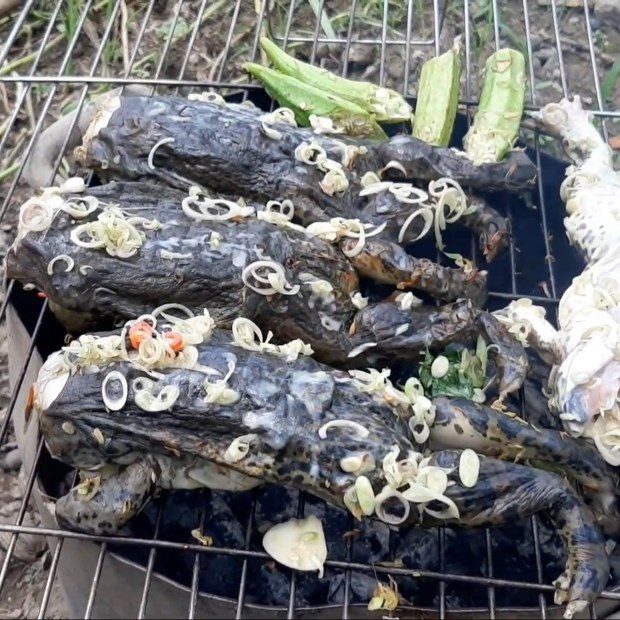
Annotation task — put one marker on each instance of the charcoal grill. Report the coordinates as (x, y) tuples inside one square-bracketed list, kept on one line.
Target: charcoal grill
[(118, 576)]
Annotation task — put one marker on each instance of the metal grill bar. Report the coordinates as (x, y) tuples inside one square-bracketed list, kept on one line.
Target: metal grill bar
[(226, 50), (82, 99), (14, 529), (17, 25), (96, 577), (50, 579), (347, 575), (164, 55), (160, 78), (196, 568), (44, 111), (533, 520), (442, 569), (597, 85), (489, 537), (558, 46), (151, 563), (22, 96), (20, 380), (203, 84), (261, 555), (317, 28), (136, 49), (290, 614), (244, 567)]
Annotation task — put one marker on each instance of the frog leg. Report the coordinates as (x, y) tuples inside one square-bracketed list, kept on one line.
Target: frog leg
[(392, 332), (490, 226), (388, 263), (424, 161), (462, 423), (104, 505), (510, 356), (505, 492), (39, 168), (397, 333)]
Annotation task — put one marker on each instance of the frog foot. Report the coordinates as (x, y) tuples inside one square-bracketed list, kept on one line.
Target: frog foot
[(507, 491), (103, 505), (388, 263), (561, 585)]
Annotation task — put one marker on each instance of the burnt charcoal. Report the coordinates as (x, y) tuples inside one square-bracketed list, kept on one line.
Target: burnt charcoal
[(311, 590), (419, 549), (373, 543), (219, 574), (268, 583), (274, 505), (361, 588), (181, 514)]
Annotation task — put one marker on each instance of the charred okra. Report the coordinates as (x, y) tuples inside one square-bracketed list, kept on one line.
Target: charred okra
[(306, 100), (384, 103), (496, 124), (438, 97)]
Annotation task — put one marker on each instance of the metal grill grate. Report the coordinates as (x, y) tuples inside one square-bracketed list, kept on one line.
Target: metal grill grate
[(407, 28)]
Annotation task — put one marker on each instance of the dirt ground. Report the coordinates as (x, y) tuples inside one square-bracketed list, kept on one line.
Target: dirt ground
[(170, 27)]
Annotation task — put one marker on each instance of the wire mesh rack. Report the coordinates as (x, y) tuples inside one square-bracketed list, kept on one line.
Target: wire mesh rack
[(54, 56)]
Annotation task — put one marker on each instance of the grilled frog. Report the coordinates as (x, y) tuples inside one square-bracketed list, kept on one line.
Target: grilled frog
[(227, 414), (209, 141), (244, 152), (121, 249)]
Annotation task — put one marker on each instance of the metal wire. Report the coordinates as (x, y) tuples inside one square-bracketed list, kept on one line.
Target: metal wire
[(244, 567), (291, 35), (95, 583), (151, 563), (597, 84), (196, 572)]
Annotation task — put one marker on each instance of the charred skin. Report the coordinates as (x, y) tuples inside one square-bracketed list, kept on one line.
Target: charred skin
[(120, 497), (388, 263), (424, 161), (534, 402), (512, 361), (284, 404), (506, 492), (240, 159), (406, 334), (125, 288), (461, 423)]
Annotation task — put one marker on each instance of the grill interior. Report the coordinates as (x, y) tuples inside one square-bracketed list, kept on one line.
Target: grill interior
[(203, 45)]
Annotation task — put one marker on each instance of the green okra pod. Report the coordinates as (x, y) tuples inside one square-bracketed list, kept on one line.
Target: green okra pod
[(384, 103), (438, 98), (496, 123), (304, 100)]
